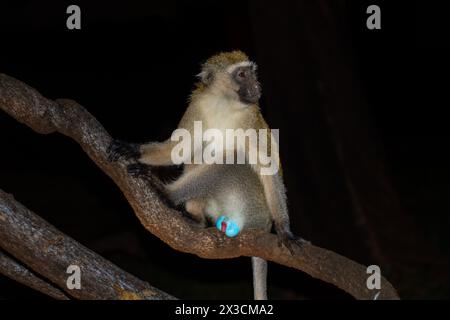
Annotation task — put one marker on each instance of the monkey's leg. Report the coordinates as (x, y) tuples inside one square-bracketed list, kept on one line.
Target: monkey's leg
[(193, 184), (143, 171), (196, 208), (259, 267)]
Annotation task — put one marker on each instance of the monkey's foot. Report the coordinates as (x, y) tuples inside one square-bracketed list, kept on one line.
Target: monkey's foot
[(120, 149), (290, 241), (202, 223), (143, 171)]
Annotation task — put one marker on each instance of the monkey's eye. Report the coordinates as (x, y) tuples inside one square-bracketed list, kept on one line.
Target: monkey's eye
[(241, 74)]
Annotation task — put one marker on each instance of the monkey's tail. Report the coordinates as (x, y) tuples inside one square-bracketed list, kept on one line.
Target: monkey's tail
[(259, 267)]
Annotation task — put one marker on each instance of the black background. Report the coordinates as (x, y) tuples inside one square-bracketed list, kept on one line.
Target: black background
[(133, 66)]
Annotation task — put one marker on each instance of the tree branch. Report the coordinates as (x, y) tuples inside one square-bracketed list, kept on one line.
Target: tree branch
[(14, 270), (49, 252), (69, 118)]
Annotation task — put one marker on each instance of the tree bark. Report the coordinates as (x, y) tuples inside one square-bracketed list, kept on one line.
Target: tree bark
[(16, 271)]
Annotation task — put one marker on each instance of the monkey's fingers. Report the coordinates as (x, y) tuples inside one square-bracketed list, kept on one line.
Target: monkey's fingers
[(290, 241), (300, 241), (120, 149), (138, 170), (283, 240)]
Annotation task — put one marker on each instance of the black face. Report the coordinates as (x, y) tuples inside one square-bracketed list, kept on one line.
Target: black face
[(249, 88)]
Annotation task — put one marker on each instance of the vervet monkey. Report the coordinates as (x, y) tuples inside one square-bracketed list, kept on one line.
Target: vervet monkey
[(225, 98)]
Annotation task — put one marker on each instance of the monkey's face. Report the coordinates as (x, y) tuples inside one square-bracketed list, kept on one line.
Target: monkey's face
[(237, 81), (248, 87)]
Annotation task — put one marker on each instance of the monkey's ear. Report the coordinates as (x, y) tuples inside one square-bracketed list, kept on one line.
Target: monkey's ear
[(206, 77)]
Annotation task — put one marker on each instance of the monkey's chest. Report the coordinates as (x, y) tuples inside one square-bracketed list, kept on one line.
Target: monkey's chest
[(222, 114), (221, 120)]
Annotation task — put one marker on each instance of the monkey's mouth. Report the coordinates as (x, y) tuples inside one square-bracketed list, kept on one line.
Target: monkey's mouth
[(250, 95)]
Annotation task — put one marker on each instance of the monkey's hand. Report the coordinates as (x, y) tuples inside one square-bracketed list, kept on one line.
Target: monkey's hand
[(139, 170), (120, 149), (289, 240)]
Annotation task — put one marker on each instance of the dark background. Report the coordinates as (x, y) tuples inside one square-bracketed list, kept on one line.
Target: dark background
[(363, 130)]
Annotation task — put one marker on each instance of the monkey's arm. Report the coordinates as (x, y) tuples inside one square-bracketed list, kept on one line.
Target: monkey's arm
[(274, 190), (153, 153), (275, 194), (160, 153), (157, 153)]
